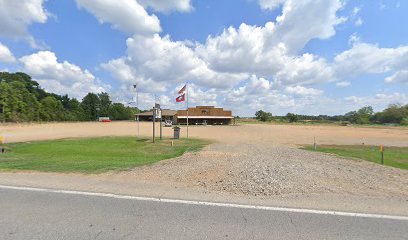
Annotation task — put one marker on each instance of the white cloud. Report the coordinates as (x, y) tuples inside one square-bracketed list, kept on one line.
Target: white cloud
[(378, 101), (343, 84), (259, 93), (236, 54), (302, 21), (60, 77), (16, 16), (5, 54), (353, 39), (168, 5), (400, 76), (358, 22), (126, 15), (272, 50), (158, 63), (270, 4), (364, 58), (356, 10), (303, 91), (236, 64), (251, 49)]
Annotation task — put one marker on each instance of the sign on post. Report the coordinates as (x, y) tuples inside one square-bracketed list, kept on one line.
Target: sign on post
[(158, 113), (157, 109)]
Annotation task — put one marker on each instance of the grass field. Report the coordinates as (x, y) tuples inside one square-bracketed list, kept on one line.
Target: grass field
[(92, 155), (393, 156)]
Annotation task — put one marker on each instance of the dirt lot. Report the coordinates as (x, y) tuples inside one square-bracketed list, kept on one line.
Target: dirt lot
[(248, 164), (268, 134)]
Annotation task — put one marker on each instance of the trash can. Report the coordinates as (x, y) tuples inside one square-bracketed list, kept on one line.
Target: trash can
[(176, 132)]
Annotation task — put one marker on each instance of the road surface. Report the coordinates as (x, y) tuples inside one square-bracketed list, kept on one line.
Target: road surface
[(32, 214)]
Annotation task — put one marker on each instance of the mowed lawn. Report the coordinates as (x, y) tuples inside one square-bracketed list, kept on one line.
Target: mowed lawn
[(393, 156), (93, 155)]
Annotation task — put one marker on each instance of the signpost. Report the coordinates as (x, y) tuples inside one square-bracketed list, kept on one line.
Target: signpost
[(382, 149), (157, 113)]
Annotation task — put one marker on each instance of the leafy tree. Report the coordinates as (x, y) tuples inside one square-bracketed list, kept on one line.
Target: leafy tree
[(8, 102), (90, 105), (291, 117), (120, 112), (404, 121), (263, 116), (22, 99), (393, 114), (51, 109), (105, 104), (364, 115)]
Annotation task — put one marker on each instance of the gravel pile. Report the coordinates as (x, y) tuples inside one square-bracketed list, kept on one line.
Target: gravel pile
[(263, 170)]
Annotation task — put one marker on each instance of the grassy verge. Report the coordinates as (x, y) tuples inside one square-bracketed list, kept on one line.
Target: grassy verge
[(393, 156), (92, 155)]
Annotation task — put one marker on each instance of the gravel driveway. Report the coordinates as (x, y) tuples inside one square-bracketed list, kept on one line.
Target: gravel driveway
[(263, 170)]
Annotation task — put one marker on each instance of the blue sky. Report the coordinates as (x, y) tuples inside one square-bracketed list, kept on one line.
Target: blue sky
[(307, 57)]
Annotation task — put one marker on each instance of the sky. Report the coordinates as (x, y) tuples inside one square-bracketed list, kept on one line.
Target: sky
[(306, 57)]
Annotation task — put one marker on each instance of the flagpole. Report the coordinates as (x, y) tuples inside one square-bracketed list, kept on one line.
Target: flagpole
[(187, 106), (137, 106)]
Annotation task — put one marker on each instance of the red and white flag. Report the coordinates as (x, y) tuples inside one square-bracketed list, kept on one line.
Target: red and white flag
[(181, 98), (182, 89)]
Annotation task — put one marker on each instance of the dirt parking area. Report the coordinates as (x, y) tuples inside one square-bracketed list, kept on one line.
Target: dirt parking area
[(252, 161), (288, 135)]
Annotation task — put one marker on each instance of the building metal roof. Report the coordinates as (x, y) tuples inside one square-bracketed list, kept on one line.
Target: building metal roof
[(205, 117), (165, 112)]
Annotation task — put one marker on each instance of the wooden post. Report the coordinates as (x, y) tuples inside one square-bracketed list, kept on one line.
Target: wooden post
[(314, 143), (161, 127), (382, 154)]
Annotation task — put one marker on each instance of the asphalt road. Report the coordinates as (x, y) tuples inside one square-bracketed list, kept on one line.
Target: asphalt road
[(49, 215)]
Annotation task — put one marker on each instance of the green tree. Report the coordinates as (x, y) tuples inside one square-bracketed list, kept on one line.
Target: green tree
[(51, 109), (105, 104), (90, 105), (364, 115), (119, 112), (8, 102), (291, 117), (404, 121), (263, 116), (393, 114), (73, 111)]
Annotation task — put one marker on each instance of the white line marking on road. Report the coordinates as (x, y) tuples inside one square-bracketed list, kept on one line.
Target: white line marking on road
[(212, 204)]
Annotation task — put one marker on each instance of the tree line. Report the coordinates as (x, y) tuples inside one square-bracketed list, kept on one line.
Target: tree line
[(393, 114), (23, 100)]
